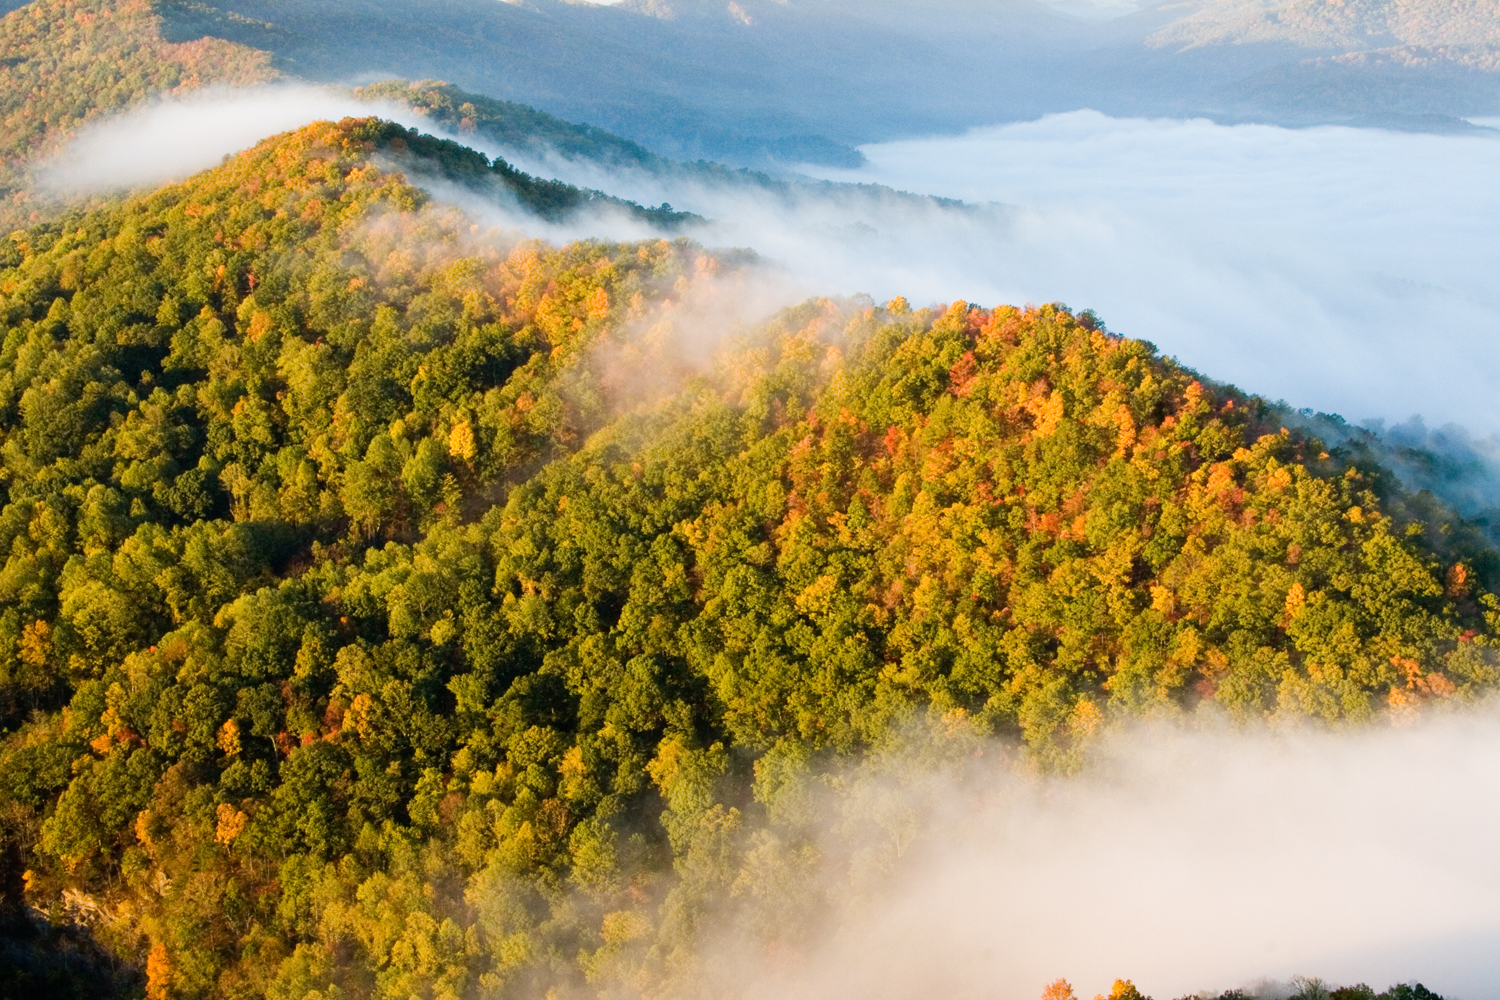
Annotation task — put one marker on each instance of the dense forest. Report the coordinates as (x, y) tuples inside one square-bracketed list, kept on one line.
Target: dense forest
[(390, 610)]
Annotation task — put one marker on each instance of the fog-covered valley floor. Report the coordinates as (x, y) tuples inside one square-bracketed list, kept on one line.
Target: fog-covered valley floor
[(1192, 859)]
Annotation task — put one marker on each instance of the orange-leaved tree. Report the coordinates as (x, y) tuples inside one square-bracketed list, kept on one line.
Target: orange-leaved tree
[(1059, 989), (1123, 989)]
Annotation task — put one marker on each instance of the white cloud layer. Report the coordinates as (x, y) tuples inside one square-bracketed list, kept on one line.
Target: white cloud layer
[(1351, 270), (1196, 860)]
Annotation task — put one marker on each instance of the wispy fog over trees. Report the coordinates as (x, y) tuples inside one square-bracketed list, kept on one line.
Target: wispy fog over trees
[(67, 62)]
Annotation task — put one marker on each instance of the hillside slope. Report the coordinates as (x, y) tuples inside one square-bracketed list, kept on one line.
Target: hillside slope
[(1462, 30), (514, 126), (67, 62), (392, 611)]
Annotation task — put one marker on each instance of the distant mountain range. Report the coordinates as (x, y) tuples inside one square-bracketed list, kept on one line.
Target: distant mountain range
[(764, 82), (1465, 33), (771, 84)]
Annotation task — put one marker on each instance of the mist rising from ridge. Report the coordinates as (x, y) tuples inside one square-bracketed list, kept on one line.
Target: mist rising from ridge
[(1347, 270), (1344, 270), (169, 140)]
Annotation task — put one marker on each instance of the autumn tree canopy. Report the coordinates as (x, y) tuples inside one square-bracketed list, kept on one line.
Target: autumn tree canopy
[(367, 629)]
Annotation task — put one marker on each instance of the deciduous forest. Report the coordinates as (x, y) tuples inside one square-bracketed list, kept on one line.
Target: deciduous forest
[(392, 608)]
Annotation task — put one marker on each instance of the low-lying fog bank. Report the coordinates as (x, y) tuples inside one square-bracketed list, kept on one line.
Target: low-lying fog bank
[(1184, 858), (169, 140)]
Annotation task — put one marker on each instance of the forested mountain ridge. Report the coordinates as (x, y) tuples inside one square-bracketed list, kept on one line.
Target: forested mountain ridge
[(67, 62), (513, 126), (520, 131), (365, 630), (431, 159)]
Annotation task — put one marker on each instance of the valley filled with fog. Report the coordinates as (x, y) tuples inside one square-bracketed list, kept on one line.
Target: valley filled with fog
[(1199, 857), (1348, 270)]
